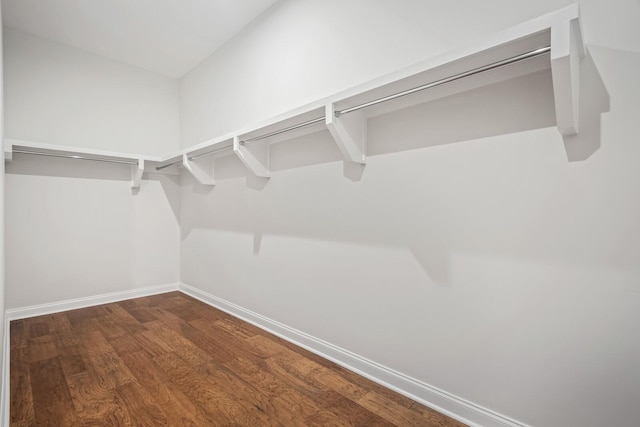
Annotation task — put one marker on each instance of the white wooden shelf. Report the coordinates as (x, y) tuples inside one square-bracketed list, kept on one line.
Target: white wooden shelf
[(553, 41), (136, 161)]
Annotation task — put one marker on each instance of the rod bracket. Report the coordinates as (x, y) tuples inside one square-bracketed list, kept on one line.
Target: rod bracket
[(201, 169), (255, 156), (567, 49), (349, 133), (136, 173)]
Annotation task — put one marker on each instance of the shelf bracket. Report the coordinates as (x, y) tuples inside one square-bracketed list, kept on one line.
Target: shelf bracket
[(349, 132), (136, 173), (567, 48), (255, 156), (201, 168), (8, 150)]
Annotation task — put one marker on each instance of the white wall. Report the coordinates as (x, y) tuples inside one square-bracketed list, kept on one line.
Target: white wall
[(479, 253), (73, 228), (62, 95)]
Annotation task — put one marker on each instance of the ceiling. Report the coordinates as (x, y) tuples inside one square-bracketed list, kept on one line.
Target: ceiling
[(169, 37)]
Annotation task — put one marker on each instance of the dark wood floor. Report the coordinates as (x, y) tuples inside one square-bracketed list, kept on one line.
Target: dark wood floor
[(172, 360)]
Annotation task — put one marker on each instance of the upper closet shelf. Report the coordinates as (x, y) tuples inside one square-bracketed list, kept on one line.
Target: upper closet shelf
[(553, 41), (137, 162)]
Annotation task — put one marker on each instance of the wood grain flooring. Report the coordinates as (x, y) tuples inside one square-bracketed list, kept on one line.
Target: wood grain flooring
[(170, 360)]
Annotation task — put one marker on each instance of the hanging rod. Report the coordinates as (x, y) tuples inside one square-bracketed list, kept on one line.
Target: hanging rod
[(210, 152), (70, 156), (287, 129), (492, 66), (167, 165), (194, 157), (338, 113)]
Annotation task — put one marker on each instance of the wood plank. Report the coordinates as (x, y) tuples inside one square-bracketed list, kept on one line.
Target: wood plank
[(110, 327), (51, 398), (60, 322), (351, 411), (164, 320), (144, 369), (325, 419), (218, 353), (109, 368), (328, 378), (17, 334), (178, 408), (141, 314), (238, 329), (96, 404), (141, 408), (42, 347), (246, 395), (83, 314), (37, 327), (72, 360), (230, 343), (219, 405), (22, 410), (285, 404), (184, 348), (184, 312), (152, 344), (400, 415), (124, 319), (125, 344)]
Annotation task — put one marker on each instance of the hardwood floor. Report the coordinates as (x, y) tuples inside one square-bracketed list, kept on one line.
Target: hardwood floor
[(170, 360)]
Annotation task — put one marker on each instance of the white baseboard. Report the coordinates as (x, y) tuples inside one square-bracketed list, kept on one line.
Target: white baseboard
[(446, 403), (72, 304)]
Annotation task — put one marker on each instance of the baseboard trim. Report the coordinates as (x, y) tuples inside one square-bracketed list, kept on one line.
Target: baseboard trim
[(446, 403), (72, 304)]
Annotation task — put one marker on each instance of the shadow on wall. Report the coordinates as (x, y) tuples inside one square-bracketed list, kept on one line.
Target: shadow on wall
[(171, 189), (26, 164), (355, 214)]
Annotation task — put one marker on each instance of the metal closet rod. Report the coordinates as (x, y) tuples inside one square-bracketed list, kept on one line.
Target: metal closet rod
[(70, 156), (158, 168), (210, 152), (287, 129), (194, 157), (492, 66), (522, 57)]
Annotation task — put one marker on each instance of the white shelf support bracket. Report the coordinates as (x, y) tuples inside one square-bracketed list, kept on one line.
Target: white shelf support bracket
[(201, 168), (136, 173), (8, 150), (349, 132), (567, 48), (254, 155)]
